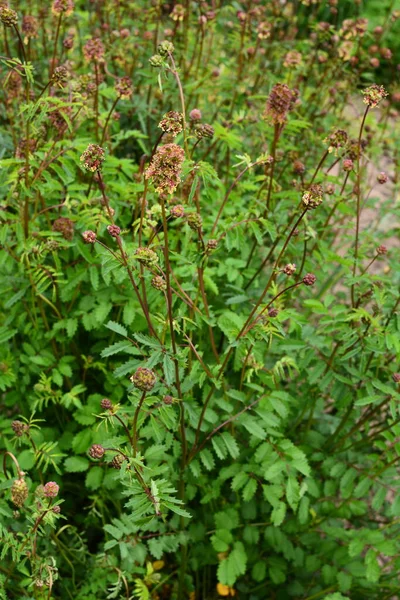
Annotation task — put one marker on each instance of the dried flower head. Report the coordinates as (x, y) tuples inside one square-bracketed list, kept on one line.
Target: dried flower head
[(172, 122), (158, 283), (382, 177), (106, 404), (289, 269), (62, 6), (19, 492), (146, 256), (93, 158), (8, 17), (94, 50), (19, 428), (96, 451), (381, 250), (264, 30), (114, 230), (165, 168), (124, 87), (51, 489), (374, 94), (309, 279), (64, 226), (292, 59), (29, 27), (211, 245), (299, 167), (280, 102), (313, 196), (177, 211), (143, 379), (204, 131), (89, 237), (273, 312)]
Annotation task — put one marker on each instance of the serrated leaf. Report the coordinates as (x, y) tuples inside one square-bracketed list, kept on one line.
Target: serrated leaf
[(117, 328)]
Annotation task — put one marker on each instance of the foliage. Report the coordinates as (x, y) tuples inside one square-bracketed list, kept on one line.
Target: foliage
[(199, 362)]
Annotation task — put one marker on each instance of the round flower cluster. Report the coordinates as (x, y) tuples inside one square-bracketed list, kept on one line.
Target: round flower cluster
[(114, 230), (93, 158), (94, 50), (204, 131), (96, 451), (313, 196), (194, 221), (195, 114), (146, 256), (165, 168), (309, 279), (143, 379), (106, 404), (64, 226), (51, 489), (159, 283), (177, 211), (280, 102), (29, 27), (289, 269), (124, 88), (336, 139), (62, 6), (348, 165), (382, 177), (381, 250), (19, 428), (8, 17), (374, 94), (89, 237), (172, 122), (60, 75), (19, 492)]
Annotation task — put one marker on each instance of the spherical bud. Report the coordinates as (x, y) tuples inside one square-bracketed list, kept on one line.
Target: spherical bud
[(156, 61), (117, 461), (382, 177), (396, 377), (124, 33), (19, 492), (146, 256), (289, 269), (177, 211), (309, 279), (158, 283), (89, 237), (374, 94), (374, 62), (8, 17), (386, 53), (204, 131), (330, 189), (19, 428), (195, 114), (168, 400), (93, 158), (56, 509), (172, 122), (298, 167), (65, 7), (123, 87), (378, 31), (273, 312), (348, 165), (114, 230), (313, 197), (144, 379), (381, 250), (96, 451), (68, 42), (211, 245), (106, 404), (65, 227), (165, 48), (194, 221), (51, 489)]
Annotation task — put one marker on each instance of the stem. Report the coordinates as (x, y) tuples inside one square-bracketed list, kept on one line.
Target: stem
[(55, 46), (178, 81), (277, 131), (108, 120), (358, 204), (134, 424)]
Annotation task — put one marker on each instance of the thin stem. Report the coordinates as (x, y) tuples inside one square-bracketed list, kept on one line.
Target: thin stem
[(182, 99), (55, 46), (134, 424)]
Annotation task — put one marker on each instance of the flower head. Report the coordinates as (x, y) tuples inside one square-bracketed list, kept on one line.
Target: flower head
[(19, 428), (19, 492), (94, 50), (114, 230), (158, 283), (89, 237), (62, 6), (93, 158), (106, 404), (29, 27), (96, 451), (309, 279), (64, 226), (280, 102), (195, 114), (289, 269), (172, 122), (165, 168), (143, 379), (382, 177), (8, 17), (177, 211), (146, 256), (374, 94), (124, 88), (51, 489), (313, 196)]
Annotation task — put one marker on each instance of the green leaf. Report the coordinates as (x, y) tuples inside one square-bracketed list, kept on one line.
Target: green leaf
[(231, 444), (76, 464), (116, 328), (169, 369)]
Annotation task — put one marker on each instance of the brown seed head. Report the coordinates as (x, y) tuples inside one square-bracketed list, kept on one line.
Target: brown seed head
[(172, 122), (64, 226), (144, 379), (374, 94), (93, 158)]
